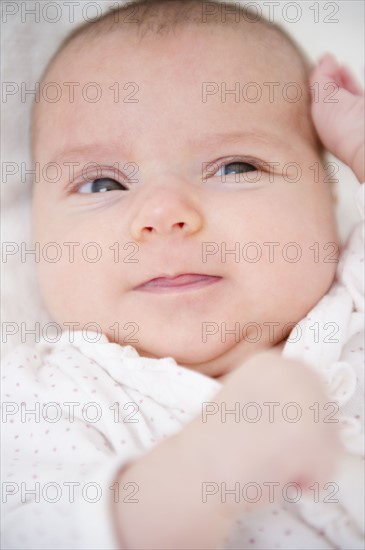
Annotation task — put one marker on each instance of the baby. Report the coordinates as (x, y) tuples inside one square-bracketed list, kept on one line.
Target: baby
[(183, 180)]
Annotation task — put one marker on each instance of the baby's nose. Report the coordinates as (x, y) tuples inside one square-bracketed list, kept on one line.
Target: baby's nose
[(165, 212)]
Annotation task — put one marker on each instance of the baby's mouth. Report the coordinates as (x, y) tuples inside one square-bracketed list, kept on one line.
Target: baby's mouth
[(185, 281)]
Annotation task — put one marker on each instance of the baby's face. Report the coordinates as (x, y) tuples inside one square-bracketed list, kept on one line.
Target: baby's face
[(160, 205)]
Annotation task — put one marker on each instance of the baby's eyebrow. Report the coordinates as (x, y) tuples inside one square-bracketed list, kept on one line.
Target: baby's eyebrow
[(211, 140), (204, 142), (86, 151)]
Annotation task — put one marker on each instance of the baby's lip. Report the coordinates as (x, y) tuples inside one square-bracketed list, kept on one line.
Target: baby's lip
[(181, 280)]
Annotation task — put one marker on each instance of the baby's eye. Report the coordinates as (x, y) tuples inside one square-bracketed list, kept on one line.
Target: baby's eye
[(100, 185), (237, 166)]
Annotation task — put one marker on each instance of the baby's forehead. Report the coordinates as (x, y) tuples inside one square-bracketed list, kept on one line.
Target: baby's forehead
[(235, 58)]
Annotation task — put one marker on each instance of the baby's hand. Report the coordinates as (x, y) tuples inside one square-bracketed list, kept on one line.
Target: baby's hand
[(230, 458), (338, 112), (285, 441)]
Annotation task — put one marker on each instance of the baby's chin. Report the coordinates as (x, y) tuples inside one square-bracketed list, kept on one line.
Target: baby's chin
[(193, 352), (210, 358)]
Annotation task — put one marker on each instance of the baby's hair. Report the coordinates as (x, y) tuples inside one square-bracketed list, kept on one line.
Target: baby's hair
[(163, 16), (158, 17)]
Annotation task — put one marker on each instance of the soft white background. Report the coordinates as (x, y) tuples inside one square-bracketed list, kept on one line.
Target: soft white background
[(26, 47)]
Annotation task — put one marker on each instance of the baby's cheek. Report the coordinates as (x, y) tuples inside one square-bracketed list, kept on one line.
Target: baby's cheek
[(76, 286), (73, 265), (59, 284), (306, 281), (302, 256)]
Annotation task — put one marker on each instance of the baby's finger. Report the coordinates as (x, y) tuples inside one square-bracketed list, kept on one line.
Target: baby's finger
[(349, 81), (324, 83), (327, 70), (328, 66)]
